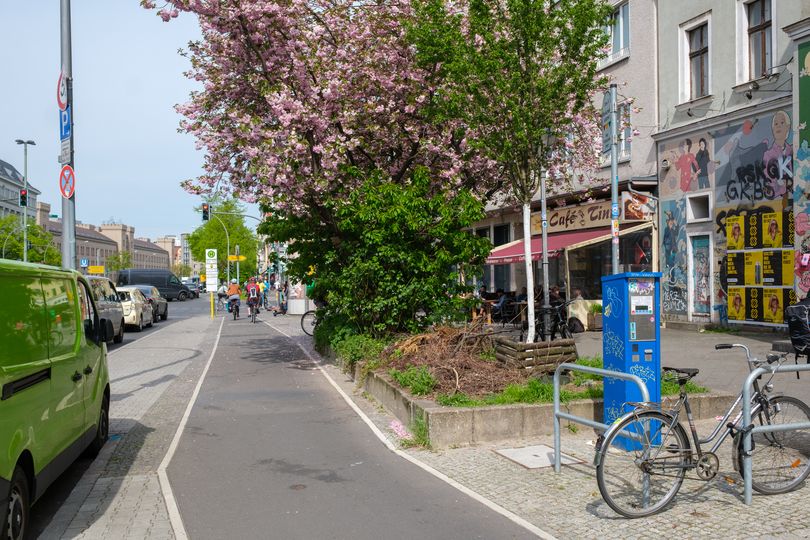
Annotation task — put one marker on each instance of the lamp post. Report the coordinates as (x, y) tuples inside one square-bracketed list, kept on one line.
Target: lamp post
[(25, 187)]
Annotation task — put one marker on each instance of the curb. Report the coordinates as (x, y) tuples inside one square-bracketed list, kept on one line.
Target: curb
[(467, 426)]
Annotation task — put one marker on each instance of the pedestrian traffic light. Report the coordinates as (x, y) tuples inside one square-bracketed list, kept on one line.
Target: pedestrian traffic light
[(205, 210), (23, 197)]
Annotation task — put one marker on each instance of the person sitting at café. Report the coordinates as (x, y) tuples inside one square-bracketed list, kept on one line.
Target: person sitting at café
[(554, 296), (497, 307), (523, 296)]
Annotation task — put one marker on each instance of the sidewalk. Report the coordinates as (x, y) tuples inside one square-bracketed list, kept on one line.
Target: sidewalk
[(568, 505)]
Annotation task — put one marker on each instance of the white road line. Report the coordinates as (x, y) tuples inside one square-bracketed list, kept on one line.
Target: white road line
[(424, 466), (165, 486)]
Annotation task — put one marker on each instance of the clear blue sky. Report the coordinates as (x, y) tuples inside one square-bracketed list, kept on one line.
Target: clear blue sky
[(127, 78)]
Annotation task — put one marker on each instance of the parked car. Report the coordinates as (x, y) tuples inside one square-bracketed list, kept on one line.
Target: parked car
[(160, 307), (137, 309), (109, 306), (167, 283), (194, 286), (54, 380)]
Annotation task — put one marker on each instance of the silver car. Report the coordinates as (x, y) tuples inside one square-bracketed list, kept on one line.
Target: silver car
[(137, 309), (108, 303)]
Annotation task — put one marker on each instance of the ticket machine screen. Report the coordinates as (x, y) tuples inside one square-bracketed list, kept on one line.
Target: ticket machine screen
[(641, 293)]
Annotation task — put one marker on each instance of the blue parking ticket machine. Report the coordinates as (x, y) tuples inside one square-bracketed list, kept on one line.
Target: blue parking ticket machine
[(631, 341)]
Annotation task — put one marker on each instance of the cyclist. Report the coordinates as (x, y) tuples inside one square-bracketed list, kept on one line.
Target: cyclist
[(222, 294), (234, 294), (253, 294)]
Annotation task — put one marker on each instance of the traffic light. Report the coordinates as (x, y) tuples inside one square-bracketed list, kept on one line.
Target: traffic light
[(23, 197), (205, 210)]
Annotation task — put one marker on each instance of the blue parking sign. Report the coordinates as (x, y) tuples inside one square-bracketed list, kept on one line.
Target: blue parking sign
[(64, 124)]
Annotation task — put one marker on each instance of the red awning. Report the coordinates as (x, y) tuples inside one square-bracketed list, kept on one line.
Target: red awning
[(513, 251)]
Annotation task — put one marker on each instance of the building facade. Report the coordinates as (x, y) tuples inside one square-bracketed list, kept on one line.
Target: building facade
[(725, 153)]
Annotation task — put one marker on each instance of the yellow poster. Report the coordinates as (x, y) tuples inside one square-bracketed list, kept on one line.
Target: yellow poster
[(736, 304), (774, 312), (788, 256), (753, 268), (772, 230), (734, 232)]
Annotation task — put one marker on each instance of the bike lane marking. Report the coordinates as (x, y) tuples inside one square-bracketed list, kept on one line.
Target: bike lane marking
[(404, 455), (165, 485)]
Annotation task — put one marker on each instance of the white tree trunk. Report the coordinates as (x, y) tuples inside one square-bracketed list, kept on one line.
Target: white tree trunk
[(527, 253)]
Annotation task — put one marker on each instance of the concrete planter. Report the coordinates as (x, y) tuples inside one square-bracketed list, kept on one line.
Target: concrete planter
[(465, 426)]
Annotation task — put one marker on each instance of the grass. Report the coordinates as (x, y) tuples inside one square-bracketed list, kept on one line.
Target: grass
[(419, 430), (717, 329), (539, 391), (417, 379)]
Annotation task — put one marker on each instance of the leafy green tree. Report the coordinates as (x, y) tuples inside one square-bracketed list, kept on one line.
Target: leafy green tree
[(41, 248), (180, 269), (520, 76), (118, 261), (397, 261), (211, 234)]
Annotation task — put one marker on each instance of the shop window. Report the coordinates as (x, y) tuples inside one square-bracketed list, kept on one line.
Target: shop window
[(698, 208), (502, 277)]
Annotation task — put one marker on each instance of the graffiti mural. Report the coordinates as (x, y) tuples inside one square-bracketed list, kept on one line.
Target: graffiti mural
[(748, 169), (701, 276), (674, 286), (801, 185)]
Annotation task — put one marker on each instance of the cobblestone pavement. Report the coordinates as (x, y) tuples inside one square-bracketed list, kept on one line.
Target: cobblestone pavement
[(151, 381), (568, 505)]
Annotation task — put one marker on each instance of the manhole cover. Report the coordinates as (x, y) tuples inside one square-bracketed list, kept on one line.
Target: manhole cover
[(534, 457)]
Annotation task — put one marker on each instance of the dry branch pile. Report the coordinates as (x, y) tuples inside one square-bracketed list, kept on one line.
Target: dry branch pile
[(454, 358)]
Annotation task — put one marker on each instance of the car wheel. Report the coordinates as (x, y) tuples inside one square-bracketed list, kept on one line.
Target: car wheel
[(181, 296), (120, 336), (139, 328), (102, 429), (165, 314), (15, 526), (151, 322), (155, 316)]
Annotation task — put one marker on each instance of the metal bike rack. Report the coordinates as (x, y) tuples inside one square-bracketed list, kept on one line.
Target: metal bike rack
[(645, 396), (746, 400)]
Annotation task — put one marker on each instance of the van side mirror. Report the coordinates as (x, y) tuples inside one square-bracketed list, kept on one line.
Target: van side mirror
[(105, 331)]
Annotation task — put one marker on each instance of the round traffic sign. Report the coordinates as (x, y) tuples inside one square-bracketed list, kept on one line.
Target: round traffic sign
[(61, 92), (210, 254), (67, 181)]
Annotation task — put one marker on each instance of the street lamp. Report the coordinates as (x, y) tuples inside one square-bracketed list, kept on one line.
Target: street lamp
[(25, 187)]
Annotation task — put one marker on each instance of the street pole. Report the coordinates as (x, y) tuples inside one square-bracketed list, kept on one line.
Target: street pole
[(68, 205), (237, 264), (228, 241), (614, 179), (25, 189)]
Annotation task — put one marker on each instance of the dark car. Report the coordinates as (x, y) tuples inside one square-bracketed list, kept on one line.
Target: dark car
[(167, 283), (160, 306)]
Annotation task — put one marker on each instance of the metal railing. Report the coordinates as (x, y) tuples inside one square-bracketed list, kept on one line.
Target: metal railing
[(747, 438), (645, 396)]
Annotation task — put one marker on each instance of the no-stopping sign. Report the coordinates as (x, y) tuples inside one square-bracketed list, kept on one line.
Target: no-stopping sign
[(67, 181)]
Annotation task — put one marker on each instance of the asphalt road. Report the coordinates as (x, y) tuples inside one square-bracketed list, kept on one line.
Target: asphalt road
[(271, 450)]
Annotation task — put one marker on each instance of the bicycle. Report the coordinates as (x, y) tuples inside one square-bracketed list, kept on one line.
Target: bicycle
[(642, 459), (234, 307), (309, 321), (252, 312), (558, 321)]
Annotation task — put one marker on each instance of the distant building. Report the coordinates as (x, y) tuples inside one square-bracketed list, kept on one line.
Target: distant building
[(11, 182), (150, 255), (90, 243)]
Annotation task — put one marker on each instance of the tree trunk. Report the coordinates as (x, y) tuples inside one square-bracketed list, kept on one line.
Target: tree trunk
[(527, 253)]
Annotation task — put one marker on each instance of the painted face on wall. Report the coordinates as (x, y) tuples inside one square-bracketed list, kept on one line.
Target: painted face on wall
[(780, 127)]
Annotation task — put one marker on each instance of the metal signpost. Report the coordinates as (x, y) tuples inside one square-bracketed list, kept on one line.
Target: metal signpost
[(64, 100), (211, 275)]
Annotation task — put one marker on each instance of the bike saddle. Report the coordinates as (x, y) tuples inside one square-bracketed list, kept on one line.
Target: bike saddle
[(689, 372)]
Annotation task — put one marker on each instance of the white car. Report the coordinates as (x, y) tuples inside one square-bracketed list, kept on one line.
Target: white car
[(137, 309)]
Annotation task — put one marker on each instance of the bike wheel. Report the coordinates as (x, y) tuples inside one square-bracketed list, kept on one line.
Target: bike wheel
[(643, 462), (308, 322), (253, 314), (780, 460)]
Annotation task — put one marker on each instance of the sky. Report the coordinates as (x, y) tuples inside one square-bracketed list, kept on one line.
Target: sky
[(127, 77)]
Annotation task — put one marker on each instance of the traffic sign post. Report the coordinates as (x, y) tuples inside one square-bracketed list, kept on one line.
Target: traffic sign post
[(211, 276), (67, 181)]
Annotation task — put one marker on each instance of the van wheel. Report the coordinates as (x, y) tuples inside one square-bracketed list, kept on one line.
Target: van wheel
[(15, 526), (181, 296), (102, 431), (120, 336)]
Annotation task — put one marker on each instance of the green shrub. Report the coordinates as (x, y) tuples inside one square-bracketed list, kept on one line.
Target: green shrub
[(331, 330), (420, 432), (357, 348), (417, 379), (595, 308)]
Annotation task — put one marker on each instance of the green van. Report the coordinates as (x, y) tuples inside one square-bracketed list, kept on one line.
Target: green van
[(54, 383)]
